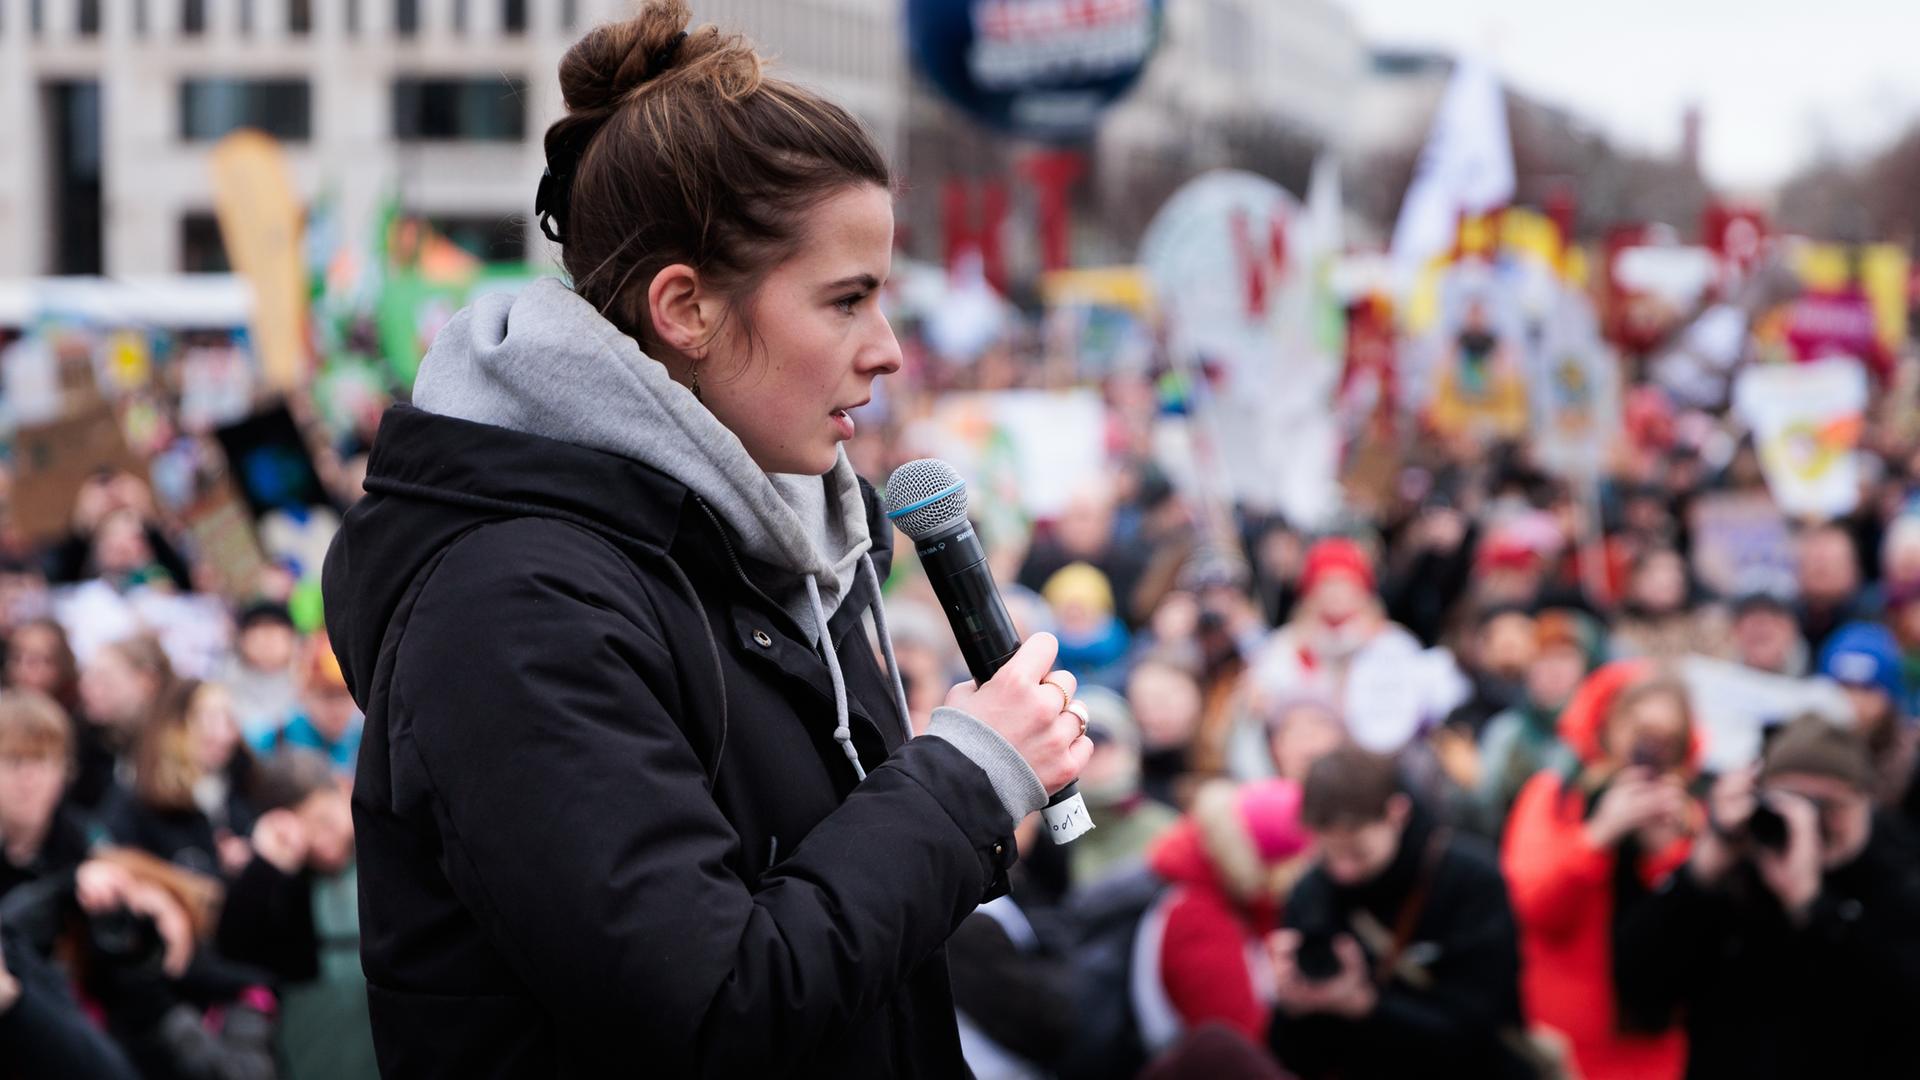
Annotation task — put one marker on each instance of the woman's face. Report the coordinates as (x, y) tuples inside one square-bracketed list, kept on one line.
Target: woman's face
[(820, 340), (1166, 703), (1661, 584), (113, 692), (213, 729), (33, 660), (1654, 728), (1303, 735), (30, 788)]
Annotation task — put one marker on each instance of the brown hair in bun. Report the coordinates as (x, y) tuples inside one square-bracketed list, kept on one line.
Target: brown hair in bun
[(689, 152)]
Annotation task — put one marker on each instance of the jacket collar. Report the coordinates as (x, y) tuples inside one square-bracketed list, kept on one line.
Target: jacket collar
[(439, 458)]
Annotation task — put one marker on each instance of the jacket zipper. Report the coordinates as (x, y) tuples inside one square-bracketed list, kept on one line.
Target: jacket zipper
[(734, 558)]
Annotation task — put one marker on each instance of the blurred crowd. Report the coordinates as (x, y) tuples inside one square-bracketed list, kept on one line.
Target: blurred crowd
[(177, 746), (1484, 778)]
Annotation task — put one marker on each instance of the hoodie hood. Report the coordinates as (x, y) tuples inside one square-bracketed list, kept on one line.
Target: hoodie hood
[(1585, 715), (545, 362), (1243, 840)]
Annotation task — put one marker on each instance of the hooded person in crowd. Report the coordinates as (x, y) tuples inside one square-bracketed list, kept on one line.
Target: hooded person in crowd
[(1585, 845), (1125, 820), (634, 791), (1503, 645), (1340, 643), (1864, 658), (1398, 958), (1231, 862), (1789, 944), (1519, 743)]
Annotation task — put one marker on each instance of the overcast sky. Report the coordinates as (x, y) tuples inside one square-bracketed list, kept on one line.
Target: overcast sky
[(1775, 78)]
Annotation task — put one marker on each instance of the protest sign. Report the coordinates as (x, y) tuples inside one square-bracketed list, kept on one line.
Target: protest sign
[(270, 462), (1734, 705), (1741, 542), (1806, 421), (53, 460)]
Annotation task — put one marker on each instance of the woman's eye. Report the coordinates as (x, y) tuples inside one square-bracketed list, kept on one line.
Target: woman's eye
[(846, 304)]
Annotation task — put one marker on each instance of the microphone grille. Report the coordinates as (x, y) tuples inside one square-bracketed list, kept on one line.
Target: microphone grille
[(925, 496)]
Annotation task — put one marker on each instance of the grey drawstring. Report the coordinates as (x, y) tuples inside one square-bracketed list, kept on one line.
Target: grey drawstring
[(842, 733), (886, 648)]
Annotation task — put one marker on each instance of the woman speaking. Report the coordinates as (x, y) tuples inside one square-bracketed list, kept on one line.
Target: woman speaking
[(635, 796)]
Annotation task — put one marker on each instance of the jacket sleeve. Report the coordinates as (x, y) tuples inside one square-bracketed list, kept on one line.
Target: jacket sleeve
[(45, 1033), (267, 921), (1554, 874), (530, 698)]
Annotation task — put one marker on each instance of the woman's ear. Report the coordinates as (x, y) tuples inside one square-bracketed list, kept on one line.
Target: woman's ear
[(681, 311)]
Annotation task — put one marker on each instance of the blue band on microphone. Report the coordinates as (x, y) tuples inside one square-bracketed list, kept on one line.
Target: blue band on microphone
[(928, 501)]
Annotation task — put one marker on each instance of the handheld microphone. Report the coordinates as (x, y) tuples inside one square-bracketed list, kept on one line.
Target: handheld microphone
[(927, 499)]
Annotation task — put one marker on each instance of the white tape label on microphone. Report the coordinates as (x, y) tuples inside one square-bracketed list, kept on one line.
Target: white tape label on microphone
[(1068, 820)]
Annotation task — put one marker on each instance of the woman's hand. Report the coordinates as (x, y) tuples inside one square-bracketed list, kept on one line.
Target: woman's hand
[(1026, 704), (1632, 802)]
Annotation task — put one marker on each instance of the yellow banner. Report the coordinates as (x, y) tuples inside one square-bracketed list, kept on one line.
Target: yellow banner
[(260, 223)]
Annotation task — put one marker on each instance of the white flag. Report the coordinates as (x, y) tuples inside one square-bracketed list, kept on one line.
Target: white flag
[(1466, 168)]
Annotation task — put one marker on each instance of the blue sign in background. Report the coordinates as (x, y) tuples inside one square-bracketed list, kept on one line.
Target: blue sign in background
[(1041, 69)]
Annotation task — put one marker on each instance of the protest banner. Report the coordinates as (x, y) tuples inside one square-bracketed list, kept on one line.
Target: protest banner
[(52, 461), (1741, 543), (260, 224), (1806, 421), (1734, 705)]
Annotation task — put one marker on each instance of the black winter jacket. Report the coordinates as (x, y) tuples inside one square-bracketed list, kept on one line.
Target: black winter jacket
[(603, 825), (1463, 938), (1762, 997)]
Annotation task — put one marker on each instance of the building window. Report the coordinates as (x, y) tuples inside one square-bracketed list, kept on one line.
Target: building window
[(201, 249), (569, 14), (246, 18), (486, 109), (139, 18), (513, 16), (299, 16), (460, 16), (88, 20), (210, 108), (193, 17), (36, 17), (493, 239), (406, 17), (353, 17)]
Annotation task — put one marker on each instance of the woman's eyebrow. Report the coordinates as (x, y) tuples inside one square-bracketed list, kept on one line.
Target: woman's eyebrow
[(862, 281)]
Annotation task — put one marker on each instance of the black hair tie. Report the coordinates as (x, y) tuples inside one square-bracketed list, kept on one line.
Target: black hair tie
[(552, 201)]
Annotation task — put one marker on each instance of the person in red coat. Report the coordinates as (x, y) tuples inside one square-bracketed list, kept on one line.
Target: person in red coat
[(1583, 844), (1229, 863)]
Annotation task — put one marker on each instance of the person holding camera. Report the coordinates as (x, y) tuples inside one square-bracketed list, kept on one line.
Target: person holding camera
[(1398, 954), (1790, 941), (1586, 844)]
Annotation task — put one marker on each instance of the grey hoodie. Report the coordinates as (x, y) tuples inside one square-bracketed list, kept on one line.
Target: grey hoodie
[(546, 363)]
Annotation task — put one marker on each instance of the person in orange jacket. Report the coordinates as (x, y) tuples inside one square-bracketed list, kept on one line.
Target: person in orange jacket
[(1582, 843)]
